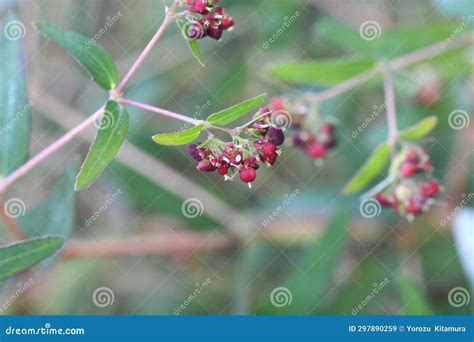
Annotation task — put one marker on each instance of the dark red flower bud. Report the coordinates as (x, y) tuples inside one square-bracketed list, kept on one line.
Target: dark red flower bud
[(214, 33), (315, 150), (227, 23), (430, 189), (383, 200), (247, 174), (408, 169), (194, 152), (269, 150), (206, 165), (276, 136), (223, 170)]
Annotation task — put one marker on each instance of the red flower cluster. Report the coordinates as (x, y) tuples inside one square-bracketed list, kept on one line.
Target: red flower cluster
[(206, 19), (241, 156), (314, 142), (414, 190)]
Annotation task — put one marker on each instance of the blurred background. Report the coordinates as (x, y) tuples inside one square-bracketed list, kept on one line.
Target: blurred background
[(294, 244)]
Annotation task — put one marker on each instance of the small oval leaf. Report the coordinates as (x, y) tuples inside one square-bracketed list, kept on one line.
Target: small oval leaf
[(109, 138), (99, 64), (15, 113), (372, 168), (324, 72), (178, 138), (233, 113), (419, 130), (20, 256)]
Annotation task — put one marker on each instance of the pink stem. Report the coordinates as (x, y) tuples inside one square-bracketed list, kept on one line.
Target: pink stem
[(158, 110), (390, 104), (145, 52), (25, 168)]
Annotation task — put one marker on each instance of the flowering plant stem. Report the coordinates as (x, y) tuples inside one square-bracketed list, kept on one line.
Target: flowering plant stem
[(397, 63)]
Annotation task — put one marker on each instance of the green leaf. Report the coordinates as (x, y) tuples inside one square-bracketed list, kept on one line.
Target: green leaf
[(413, 300), (22, 255), (233, 113), (15, 111), (193, 45), (322, 72), (55, 215), (178, 138), (109, 138), (310, 282), (419, 130), (371, 168), (99, 64), (381, 43)]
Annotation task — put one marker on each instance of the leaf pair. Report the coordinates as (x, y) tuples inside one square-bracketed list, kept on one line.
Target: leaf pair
[(114, 124), (380, 157), (222, 118)]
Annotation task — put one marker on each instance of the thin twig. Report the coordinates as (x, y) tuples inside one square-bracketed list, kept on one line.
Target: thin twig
[(158, 110), (51, 149), (390, 107), (152, 244), (148, 48)]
